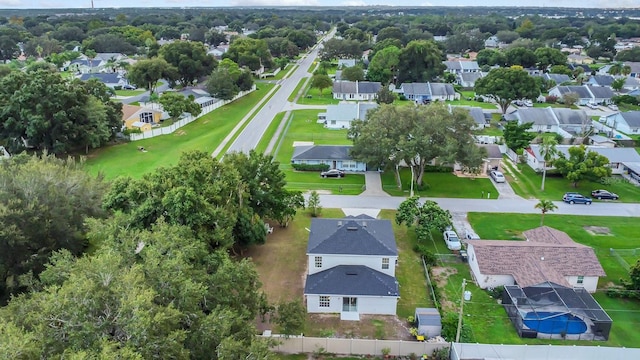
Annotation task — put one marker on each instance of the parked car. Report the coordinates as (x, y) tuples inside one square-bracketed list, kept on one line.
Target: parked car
[(528, 103), (497, 176), (452, 240), (332, 173), (575, 198), (567, 194), (613, 107), (471, 235), (129, 87), (604, 194)]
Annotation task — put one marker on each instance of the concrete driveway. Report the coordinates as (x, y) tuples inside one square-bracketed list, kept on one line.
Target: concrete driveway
[(373, 184)]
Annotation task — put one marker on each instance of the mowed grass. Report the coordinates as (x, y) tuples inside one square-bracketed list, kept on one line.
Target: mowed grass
[(526, 183), (270, 133), (313, 96), (623, 235), (439, 185), (297, 89), (204, 134), (303, 126)]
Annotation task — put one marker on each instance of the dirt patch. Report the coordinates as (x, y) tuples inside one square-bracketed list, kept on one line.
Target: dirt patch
[(369, 327), (597, 230), (440, 277), (180, 133)]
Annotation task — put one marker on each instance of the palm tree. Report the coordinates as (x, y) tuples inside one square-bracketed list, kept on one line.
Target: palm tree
[(615, 69), (548, 151), (545, 206)]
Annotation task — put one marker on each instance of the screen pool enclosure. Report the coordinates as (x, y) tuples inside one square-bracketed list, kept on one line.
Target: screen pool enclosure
[(549, 310)]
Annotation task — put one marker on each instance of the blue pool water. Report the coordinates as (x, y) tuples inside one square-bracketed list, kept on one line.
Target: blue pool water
[(555, 323)]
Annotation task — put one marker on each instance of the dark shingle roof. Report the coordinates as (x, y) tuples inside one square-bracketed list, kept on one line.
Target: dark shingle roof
[(107, 78), (351, 280), (582, 91), (538, 116), (632, 118), (603, 80), (349, 87), (321, 152), (601, 92), (493, 150), (352, 236), (571, 116), (557, 78), (433, 89)]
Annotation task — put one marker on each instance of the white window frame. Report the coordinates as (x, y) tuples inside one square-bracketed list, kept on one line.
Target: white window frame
[(580, 280), (318, 261), (385, 263), (324, 301)]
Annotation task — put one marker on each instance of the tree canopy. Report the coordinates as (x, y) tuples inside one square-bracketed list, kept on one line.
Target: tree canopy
[(420, 61), (190, 58), (582, 164), (504, 85), (425, 217), (516, 136), (146, 73)]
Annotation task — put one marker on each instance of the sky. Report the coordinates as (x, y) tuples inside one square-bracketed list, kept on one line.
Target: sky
[(30, 4)]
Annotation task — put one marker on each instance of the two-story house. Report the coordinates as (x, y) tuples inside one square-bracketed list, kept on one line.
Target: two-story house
[(352, 265)]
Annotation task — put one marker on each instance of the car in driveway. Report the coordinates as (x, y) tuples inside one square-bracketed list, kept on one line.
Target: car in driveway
[(129, 87), (575, 198), (452, 240), (604, 195), (497, 176), (332, 173)]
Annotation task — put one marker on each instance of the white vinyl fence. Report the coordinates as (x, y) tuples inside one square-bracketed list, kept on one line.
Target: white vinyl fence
[(301, 344), (186, 120)]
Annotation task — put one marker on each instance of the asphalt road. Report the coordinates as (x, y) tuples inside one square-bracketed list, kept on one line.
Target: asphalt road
[(479, 205), (250, 136)]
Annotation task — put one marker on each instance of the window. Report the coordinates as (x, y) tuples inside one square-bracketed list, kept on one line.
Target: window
[(385, 263), (580, 279), (333, 122), (325, 301), (318, 261), (146, 117)]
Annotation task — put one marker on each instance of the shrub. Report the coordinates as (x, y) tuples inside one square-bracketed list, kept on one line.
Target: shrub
[(310, 167), (402, 97), (429, 258), (496, 292), (132, 131), (625, 99), (438, 169), (551, 99), (117, 87)]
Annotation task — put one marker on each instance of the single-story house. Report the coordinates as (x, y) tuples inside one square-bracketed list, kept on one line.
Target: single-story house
[(635, 68), (493, 157), (542, 119), (341, 115), (200, 96), (351, 267), (586, 94), (601, 80), (601, 95), (468, 79), (111, 80), (336, 156), (428, 322), (459, 67), (631, 83), (345, 63), (423, 93), (138, 117), (558, 79), (476, 113), (599, 140), (618, 156), (627, 122), (356, 90), (85, 65), (547, 254)]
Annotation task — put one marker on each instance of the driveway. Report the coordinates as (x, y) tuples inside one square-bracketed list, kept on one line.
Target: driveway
[(373, 184)]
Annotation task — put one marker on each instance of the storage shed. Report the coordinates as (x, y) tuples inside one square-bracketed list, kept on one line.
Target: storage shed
[(428, 321)]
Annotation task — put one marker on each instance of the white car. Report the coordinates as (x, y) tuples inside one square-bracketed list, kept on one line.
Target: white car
[(613, 107), (471, 235), (497, 176), (452, 240)]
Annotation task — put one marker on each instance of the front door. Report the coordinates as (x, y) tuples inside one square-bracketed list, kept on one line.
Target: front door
[(350, 304), (335, 164)]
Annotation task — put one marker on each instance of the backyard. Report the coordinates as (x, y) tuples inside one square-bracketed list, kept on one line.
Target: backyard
[(440, 185), (526, 183), (203, 134), (303, 126)]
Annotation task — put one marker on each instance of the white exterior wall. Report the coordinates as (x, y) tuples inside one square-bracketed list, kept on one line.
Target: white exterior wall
[(378, 305), (372, 262), (354, 97), (617, 122), (533, 162), (486, 281), (339, 124), (590, 283), (542, 128)]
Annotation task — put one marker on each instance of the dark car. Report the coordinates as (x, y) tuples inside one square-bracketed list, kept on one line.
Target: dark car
[(332, 173), (574, 198), (129, 87), (566, 195), (604, 194)]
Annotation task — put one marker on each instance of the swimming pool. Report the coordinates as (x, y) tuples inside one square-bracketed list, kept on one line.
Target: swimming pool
[(555, 323)]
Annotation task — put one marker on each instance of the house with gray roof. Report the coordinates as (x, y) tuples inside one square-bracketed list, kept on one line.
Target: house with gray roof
[(627, 122), (459, 67), (566, 122), (468, 79), (424, 93), (356, 90), (476, 113), (336, 156), (109, 79), (601, 80), (558, 79), (635, 68), (351, 267), (586, 94), (619, 157), (341, 115), (546, 255)]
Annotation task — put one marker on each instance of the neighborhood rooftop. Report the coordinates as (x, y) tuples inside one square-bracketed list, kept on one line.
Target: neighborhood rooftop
[(617, 155), (351, 280), (352, 236), (321, 152)]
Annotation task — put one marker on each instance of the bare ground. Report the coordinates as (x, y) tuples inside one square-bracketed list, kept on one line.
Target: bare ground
[(440, 276)]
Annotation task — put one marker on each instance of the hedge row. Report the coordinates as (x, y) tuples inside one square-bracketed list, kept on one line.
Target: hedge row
[(310, 167)]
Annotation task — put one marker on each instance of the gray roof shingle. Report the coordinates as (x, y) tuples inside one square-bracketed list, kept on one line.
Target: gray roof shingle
[(632, 118), (106, 78), (571, 116), (352, 236), (356, 87), (582, 91), (351, 280), (603, 80), (349, 111), (601, 92), (321, 152)]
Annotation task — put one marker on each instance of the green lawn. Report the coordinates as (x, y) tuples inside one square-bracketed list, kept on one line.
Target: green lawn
[(526, 183), (440, 185), (492, 130), (269, 133), (312, 96), (546, 105), (282, 72), (295, 92), (303, 126), (464, 102), (130, 92), (203, 134), (625, 313)]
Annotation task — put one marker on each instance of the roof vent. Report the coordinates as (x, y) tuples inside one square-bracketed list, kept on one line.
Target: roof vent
[(352, 272), (364, 224), (542, 258), (339, 223), (352, 228)]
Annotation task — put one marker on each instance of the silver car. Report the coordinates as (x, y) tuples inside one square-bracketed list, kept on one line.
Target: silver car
[(497, 176)]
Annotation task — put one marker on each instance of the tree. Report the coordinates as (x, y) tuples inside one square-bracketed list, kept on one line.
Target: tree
[(384, 65), (633, 283), (420, 61), (547, 56), (221, 84), (147, 73), (504, 85), (321, 82), (548, 152), (582, 164), (520, 56), (516, 136), (291, 317), (176, 104), (491, 57), (507, 36), (313, 203), (426, 217), (252, 53), (385, 96), (353, 73), (44, 202), (618, 84), (545, 206), (391, 32), (570, 99), (190, 58)]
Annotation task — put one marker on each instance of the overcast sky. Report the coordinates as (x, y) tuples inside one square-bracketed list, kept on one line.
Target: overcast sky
[(29, 4)]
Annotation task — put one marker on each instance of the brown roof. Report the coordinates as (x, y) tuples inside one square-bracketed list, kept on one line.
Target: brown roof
[(129, 110), (547, 255)]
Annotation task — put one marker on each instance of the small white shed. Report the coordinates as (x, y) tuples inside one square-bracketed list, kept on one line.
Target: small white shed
[(429, 322)]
